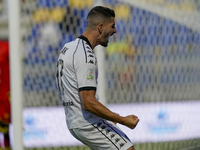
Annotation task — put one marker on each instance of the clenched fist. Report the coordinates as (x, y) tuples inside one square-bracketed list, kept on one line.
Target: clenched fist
[(130, 121)]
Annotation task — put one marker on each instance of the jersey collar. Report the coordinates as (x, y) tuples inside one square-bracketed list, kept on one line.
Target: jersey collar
[(85, 39)]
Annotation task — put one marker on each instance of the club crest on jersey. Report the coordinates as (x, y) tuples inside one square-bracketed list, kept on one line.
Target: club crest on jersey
[(90, 74)]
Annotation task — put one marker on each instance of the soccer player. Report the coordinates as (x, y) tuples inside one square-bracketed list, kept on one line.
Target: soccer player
[(87, 119), (5, 94)]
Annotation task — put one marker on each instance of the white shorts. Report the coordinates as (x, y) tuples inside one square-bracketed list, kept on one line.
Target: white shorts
[(102, 135)]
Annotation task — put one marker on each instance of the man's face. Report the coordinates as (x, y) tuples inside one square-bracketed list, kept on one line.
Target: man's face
[(108, 30)]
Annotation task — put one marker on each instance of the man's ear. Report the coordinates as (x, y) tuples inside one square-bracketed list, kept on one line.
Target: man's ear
[(100, 28)]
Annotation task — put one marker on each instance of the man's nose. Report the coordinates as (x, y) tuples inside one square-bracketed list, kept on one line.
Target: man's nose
[(115, 30)]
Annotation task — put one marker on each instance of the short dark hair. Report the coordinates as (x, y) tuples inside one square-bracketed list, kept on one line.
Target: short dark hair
[(99, 14)]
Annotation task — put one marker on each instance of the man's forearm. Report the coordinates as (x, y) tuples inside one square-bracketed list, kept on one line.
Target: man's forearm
[(98, 109), (95, 107)]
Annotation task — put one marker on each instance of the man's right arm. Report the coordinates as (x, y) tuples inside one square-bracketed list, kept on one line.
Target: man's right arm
[(95, 107)]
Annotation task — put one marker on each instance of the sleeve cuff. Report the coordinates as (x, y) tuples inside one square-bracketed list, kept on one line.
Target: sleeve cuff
[(87, 88)]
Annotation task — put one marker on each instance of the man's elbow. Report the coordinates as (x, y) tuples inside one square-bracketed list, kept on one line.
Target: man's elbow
[(86, 106), (88, 99)]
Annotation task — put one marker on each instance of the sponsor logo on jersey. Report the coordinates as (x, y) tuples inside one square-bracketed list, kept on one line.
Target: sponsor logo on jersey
[(68, 103), (90, 74)]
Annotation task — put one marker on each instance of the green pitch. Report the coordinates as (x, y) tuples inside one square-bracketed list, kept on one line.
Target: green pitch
[(193, 144)]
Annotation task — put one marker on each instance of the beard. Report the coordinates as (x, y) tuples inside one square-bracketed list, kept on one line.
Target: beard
[(104, 41)]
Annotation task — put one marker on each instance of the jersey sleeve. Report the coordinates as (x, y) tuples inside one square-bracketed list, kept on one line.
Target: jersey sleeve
[(86, 73)]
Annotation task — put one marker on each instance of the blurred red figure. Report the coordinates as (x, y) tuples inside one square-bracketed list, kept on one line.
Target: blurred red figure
[(4, 94)]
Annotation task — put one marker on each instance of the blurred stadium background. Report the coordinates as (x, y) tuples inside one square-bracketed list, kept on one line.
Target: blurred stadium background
[(154, 59)]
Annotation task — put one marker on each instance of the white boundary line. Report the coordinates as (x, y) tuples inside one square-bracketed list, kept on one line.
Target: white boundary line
[(190, 147)]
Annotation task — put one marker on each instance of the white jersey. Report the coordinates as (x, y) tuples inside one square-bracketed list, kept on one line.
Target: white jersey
[(76, 71)]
